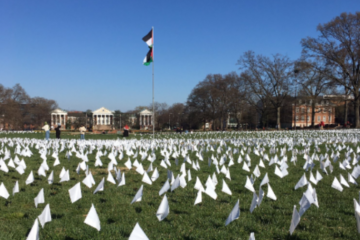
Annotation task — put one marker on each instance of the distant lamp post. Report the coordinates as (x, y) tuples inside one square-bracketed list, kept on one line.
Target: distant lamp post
[(296, 71), (169, 121)]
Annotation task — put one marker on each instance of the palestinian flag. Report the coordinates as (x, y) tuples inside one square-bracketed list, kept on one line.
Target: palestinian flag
[(149, 57), (149, 41)]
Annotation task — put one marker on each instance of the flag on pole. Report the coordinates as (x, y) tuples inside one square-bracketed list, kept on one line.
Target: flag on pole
[(149, 40)]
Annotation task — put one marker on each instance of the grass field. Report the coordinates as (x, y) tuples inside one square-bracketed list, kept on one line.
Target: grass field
[(334, 219)]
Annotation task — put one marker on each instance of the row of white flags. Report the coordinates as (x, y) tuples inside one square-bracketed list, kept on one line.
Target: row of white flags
[(281, 166)]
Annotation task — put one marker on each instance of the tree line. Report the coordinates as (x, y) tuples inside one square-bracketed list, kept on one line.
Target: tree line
[(19, 111), (329, 64)]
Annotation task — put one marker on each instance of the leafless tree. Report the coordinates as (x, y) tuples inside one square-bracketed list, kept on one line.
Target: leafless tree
[(339, 45), (267, 78)]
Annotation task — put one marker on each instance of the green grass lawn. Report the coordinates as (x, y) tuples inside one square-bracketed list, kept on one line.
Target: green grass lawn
[(334, 219)]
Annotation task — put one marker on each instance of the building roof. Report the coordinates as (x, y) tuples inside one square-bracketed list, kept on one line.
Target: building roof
[(103, 110), (145, 111), (58, 110)]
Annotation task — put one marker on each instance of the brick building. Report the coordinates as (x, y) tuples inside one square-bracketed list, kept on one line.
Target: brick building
[(324, 111)]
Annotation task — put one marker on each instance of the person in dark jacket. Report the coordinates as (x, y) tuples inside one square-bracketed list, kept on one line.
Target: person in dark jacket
[(57, 130)]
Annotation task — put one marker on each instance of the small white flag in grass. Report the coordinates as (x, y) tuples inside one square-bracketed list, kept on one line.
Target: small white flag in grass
[(62, 173), (138, 195), (165, 187), (256, 171), (140, 169), (234, 214), (146, 179), (163, 209), (265, 180), (245, 167), (198, 197), (343, 181), (198, 185), (261, 196), (41, 171), (351, 179), (357, 214), (92, 218), (11, 163), (176, 183), (3, 191), (45, 216), (75, 192), (225, 188), (65, 177), (302, 182), (294, 220), (30, 178), (20, 170), (336, 184), (254, 202), (318, 176), (39, 198), (312, 179), (51, 178), (270, 194), (261, 164), (138, 234), (122, 182), (100, 187), (228, 174), (189, 175), (34, 232), (252, 236), (155, 175), (163, 164), (87, 181), (128, 164), (16, 188), (57, 162), (110, 178), (210, 191), (249, 185)]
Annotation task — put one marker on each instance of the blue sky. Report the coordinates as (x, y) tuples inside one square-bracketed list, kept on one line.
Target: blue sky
[(88, 54)]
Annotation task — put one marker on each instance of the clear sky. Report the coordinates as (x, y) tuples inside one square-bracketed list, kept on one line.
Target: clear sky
[(87, 54)]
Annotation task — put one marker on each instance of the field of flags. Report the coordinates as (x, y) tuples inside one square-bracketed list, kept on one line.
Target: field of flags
[(214, 185)]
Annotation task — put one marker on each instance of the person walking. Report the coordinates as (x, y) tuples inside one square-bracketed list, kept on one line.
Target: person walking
[(57, 129), (46, 128), (82, 130)]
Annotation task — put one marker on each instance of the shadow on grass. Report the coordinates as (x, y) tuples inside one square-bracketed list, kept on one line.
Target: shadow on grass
[(138, 209), (57, 216)]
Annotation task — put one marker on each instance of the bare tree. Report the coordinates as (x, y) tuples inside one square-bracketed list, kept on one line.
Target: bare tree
[(267, 78), (314, 81), (339, 45)]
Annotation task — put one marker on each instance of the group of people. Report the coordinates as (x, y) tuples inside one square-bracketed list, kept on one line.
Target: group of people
[(46, 128)]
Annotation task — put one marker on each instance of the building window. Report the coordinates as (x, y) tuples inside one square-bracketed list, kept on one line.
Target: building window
[(324, 118), (302, 118), (330, 119), (308, 118), (308, 110), (324, 110), (303, 110), (319, 118), (330, 109), (297, 109), (297, 118)]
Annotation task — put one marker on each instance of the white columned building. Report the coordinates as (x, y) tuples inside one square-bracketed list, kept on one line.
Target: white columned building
[(103, 119), (59, 116), (146, 119)]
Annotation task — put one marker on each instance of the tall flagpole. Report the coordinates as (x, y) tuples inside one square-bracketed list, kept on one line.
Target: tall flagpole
[(153, 84)]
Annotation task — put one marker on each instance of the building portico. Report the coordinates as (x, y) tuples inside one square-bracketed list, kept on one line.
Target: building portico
[(59, 116), (103, 119)]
